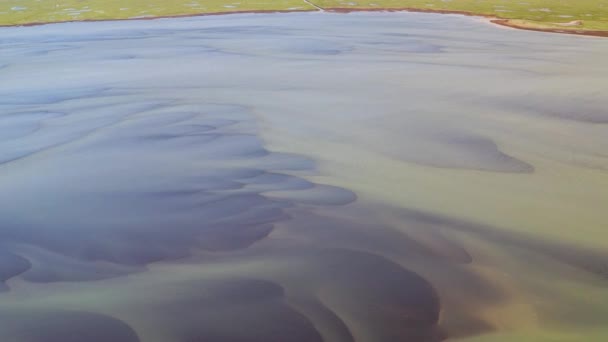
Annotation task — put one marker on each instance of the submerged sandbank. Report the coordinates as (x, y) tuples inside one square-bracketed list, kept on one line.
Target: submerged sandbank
[(375, 177)]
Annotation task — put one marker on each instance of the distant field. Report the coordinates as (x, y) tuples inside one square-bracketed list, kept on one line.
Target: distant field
[(593, 13), (582, 14), (29, 11)]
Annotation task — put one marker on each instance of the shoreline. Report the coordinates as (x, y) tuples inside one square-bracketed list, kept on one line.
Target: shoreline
[(588, 33), (204, 14), (491, 18)]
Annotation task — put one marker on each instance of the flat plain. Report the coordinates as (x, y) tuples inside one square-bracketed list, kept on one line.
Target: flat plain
[(564, 15)]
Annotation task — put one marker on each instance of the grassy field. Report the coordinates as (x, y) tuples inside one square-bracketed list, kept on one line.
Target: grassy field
[(591, 14), (15, 12)]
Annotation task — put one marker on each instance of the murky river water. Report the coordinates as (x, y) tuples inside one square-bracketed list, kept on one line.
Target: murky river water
[(302, 177)]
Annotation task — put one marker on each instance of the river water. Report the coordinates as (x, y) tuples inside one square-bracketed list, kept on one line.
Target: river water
[(302, 177)]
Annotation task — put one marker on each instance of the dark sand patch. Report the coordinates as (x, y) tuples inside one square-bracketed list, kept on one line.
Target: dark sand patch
[(11, 265), (592, 261), (63, 326), (328, 323), (239, 310), (110, 213), (567, 107), (451, 148), (371, 290)]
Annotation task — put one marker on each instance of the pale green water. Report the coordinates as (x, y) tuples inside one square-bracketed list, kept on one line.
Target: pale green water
[(302, 177)]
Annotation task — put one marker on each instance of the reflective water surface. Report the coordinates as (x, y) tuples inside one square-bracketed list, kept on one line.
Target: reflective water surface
[(302, 177)]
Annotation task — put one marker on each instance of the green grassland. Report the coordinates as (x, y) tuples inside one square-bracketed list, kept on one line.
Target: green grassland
[(592, 14), (18, 12)]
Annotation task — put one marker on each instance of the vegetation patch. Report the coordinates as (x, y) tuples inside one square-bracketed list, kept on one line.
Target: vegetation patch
[(563, 15)]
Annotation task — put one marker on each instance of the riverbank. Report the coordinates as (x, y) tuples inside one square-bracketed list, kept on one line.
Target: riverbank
[(512, 24), (516, 24), (522, 25), (39, 23)]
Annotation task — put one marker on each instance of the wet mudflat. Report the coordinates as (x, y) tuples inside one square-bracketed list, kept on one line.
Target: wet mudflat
[(302, 177)]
